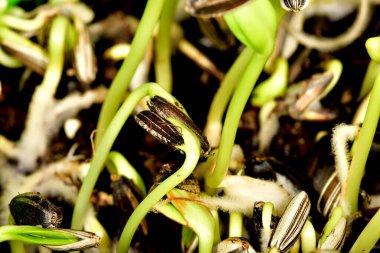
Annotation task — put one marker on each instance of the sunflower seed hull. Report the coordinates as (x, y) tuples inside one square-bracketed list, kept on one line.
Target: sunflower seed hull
[(294, 5), (166, 109), (160, 128), (291, 223)]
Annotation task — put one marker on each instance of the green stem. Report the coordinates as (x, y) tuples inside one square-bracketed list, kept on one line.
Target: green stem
[(56, 49), (128, 68), (361, 151), (24, 25), (234, 112), (236, 224), (163, 46), (8, 60), (336, 215), (372, 71), (219, 103), (369, 236), (275, 85), (105, 145), (192, 151)]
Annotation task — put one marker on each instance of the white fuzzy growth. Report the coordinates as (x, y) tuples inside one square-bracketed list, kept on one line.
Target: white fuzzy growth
[(286, 184), (342, 134), (241, 193), (45, 117)]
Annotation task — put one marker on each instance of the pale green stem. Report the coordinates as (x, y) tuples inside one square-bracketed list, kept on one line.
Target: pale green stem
[(24, 25), (105, 145), (215, 214), (192, 151), (272, 87), (8, 60), (56, 54), (308, 238), (236, 224), (369, 236), (124, 76), (362, 148), (234, 112), (336, 215), (222, 97), (163, 46), (372, 71)]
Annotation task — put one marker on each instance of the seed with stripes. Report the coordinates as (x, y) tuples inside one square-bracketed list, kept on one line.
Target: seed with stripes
[(330, 195), (290, 225), (160, 128), (166, 109), (294, 5), (336, 238)]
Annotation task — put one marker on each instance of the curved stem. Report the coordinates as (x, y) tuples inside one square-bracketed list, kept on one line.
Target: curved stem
[(105, 145), (128, 68), (332, 44), (219, 103), (192, 151), (234, 112), (163, 46), (24, 25), (362, 148)]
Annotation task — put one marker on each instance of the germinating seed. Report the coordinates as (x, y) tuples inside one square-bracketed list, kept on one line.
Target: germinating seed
[(294, 5), (83, 54), (336, 238), (190, 184), (160, 128), (166, 109), (86, 240), (34, 209), (262, 232), (290, 225)]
